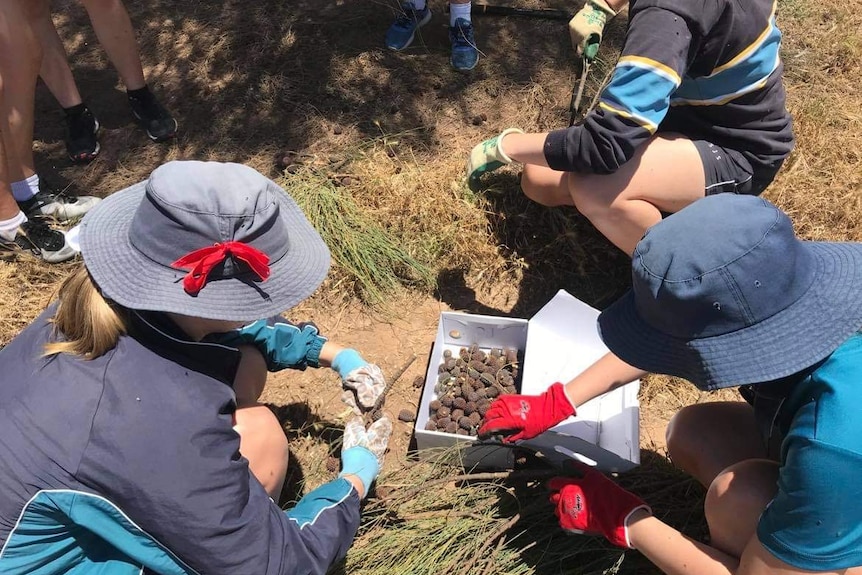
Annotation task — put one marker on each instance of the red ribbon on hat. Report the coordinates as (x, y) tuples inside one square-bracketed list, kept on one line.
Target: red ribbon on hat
[(203, 261)]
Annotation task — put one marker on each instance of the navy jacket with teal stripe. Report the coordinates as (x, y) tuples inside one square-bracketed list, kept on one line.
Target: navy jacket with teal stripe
[(707, 69), (128, 464)]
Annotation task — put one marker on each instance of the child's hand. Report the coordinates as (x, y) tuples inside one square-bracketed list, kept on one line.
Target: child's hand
[(488, 156)]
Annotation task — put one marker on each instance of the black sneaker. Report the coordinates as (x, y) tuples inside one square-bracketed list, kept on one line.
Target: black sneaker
[(39, 239), (57, 205), (82, 131), (152, 116)]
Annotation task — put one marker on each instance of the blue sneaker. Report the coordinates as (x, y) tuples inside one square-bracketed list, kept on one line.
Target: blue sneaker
[(401, 33), (465, 55)]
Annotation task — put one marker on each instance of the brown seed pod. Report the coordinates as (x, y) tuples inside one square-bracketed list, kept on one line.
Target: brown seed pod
[(434, 417), (443, 412), (406, 416), (444, 378), (451, 427), (443, 422), (511, 356), (466, 390), (462, 432), (441, 368), (450, 364), (487, 379), (431, 426), (469, 408), (473, 373), (332, 464), (510, 389), (459, 402), (447, 353), (482, 393), (482, 409), (465, 423), (473, 397), (435, 405), (418, 382), (475, 418), (492, 392), (446, 400), (464, 354), (457, 414), (456, 392)]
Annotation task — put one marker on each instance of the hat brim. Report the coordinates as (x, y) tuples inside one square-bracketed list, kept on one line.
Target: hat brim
[(134, 281), (789, 341)]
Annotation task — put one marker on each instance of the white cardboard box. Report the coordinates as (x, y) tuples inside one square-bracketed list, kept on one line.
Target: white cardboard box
[(557, 344)]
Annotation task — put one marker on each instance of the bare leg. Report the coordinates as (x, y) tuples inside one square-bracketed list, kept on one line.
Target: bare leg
[(55, 71), (262, 440), (19, 59), (665, 175), (113, 27), (707, 438), (735, 501), (8, 206)]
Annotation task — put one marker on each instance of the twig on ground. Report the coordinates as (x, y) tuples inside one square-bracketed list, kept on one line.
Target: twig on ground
[(500, 531)]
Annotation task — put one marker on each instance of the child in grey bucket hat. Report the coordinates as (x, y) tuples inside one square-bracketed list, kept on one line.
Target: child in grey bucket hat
[(158, 437), (724, 295)]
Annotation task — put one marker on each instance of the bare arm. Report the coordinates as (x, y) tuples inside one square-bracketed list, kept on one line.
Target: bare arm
[(328, 353), (606, 374), (676, 554), (525, 148)]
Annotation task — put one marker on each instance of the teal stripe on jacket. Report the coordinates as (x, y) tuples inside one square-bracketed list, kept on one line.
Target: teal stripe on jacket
[(744, 74), (640, 90), (74, 533)]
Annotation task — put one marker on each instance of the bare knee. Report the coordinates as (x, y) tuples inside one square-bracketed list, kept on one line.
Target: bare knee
[(545, 186), (264, 445), (681, 436), (735, 500)]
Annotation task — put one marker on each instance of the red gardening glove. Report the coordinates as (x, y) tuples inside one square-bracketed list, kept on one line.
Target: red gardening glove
[(594, 504), (526, 416)]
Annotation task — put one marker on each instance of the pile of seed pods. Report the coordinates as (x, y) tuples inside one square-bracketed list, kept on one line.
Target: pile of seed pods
[(466, 385)]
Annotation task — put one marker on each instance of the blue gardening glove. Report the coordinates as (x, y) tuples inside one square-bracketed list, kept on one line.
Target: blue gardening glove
[(587, 26), (363, 449), (363, 382), (488, 156), (283, 344)]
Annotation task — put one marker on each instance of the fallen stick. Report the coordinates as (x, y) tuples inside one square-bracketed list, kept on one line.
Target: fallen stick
[(500, 531)]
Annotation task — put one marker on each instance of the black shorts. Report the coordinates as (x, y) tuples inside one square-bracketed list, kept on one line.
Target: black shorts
[(728, 170)]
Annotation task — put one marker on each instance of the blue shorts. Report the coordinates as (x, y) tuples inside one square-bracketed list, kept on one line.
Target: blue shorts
[(727, 170), (815, 520)]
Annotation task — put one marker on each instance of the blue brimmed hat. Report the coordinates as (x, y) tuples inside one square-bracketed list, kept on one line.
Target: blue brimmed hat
[(204, 239), (725, 294)]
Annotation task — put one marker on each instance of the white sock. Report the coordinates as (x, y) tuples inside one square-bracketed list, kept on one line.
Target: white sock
[(23, 190), (419, 4), (9, 228), (458, 11)]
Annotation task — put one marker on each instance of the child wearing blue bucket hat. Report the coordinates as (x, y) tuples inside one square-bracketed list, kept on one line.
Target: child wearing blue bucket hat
[(725, 295), (132, 440)]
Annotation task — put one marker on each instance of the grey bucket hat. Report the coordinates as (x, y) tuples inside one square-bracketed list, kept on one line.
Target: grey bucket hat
[(229, 219), (724, 294)]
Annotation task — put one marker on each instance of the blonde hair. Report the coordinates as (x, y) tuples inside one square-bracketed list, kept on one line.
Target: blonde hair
[(85, 323)]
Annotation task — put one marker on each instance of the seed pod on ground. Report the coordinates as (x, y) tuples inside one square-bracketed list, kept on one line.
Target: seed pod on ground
[(457, 414), (475, 418), (431, 426), (469, 408), (443, 411), (451, 427), (418, 382), (446, 400), (459, 402), (435, 404), (406, 416), (473, 396), (465, 423)]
